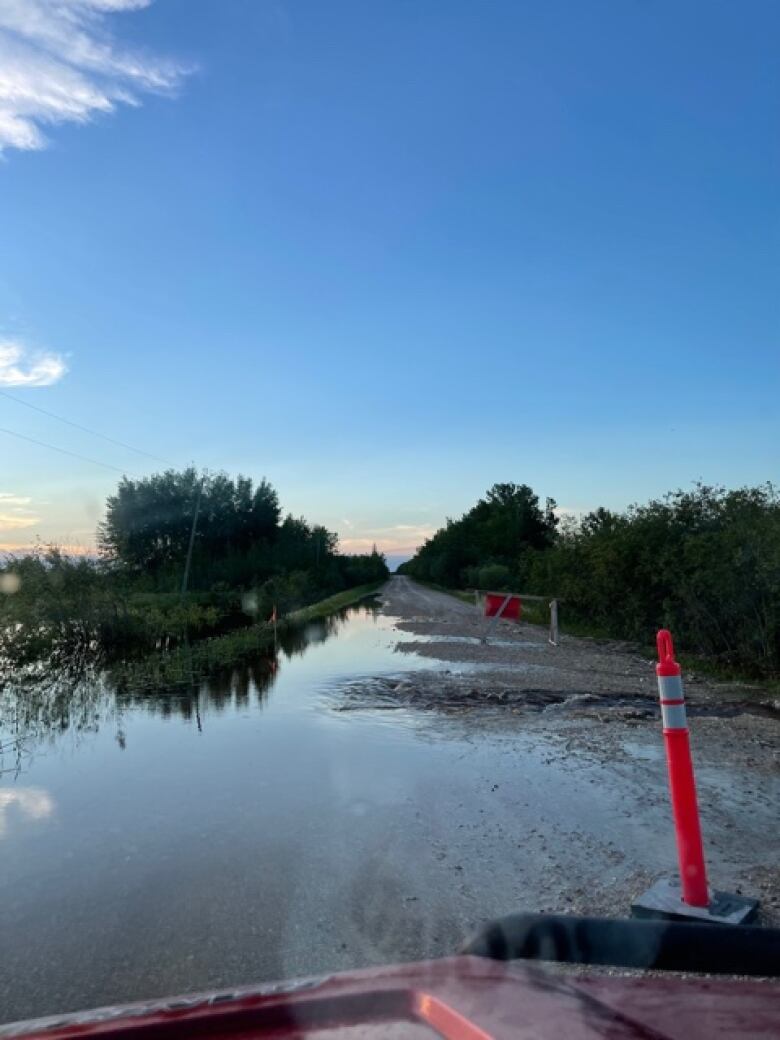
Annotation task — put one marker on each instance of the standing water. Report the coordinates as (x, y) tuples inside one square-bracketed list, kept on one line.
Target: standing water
[(251, 830)]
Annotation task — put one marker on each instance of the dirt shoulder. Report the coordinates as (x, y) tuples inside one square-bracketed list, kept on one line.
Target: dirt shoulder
[(452, 630), (515, 665)]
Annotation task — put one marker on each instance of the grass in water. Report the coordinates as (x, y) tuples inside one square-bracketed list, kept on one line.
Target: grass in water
[(187, 664)]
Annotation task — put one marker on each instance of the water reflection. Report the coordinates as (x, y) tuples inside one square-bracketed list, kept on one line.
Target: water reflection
[(218, 675), (33, 802), (280, 836), (39, 705)]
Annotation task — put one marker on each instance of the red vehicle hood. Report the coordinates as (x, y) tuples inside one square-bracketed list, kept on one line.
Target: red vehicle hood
[(460, 998)]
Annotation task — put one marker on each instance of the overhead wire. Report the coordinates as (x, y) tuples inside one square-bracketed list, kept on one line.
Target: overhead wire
[(86, 429), (65, 451)]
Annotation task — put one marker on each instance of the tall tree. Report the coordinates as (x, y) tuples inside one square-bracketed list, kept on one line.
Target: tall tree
[(148, 521)]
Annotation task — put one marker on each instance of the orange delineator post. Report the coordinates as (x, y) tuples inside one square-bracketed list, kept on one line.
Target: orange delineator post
[(682, 784)]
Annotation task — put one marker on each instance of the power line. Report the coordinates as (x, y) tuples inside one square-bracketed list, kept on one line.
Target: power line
[(85, 429), (64, 451)]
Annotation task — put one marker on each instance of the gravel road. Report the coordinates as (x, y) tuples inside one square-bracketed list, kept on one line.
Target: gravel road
[(594, 704)]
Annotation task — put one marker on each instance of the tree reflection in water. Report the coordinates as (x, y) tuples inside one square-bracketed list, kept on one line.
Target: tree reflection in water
[(77, 696)]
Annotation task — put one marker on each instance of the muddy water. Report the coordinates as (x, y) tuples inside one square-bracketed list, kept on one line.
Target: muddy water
[(252, 831)]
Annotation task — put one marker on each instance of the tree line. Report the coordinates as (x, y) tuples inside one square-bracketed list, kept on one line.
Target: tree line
[(247, 560), (241, 538), (703, 562)]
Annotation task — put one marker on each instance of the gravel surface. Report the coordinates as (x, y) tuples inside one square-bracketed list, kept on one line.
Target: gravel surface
[(595, 701)]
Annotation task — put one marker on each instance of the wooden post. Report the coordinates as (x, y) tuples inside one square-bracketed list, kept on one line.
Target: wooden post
[(554, 622), (186, 575)]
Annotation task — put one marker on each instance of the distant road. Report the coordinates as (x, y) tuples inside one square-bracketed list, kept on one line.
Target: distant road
[(406, 597)]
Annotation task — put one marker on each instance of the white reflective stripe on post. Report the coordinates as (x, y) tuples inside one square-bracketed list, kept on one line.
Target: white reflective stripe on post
[(670, 688), (674, 716)]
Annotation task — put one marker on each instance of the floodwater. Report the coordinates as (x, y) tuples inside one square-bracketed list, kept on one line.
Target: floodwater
[(249, 830), (157, 844)]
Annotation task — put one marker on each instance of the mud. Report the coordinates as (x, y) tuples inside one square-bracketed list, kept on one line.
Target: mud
[(513, 667), (595, 702)]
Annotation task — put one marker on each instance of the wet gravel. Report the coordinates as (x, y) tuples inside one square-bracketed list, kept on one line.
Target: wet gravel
[(595, 702)]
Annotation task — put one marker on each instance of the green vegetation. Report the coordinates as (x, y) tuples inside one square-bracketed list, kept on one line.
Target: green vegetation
[(332, 604), (705, 563), (246, 562), (188, 663), (241, 540)]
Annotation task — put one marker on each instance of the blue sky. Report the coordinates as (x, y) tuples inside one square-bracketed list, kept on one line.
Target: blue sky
[(387, 253)]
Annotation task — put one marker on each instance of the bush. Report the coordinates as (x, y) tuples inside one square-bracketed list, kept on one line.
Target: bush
[(704, 562), (495, 576), (62, 605)]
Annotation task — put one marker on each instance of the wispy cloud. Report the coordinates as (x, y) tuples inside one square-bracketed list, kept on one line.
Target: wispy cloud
[(358, 545), (15, 549), (60, 63), (14, 514), (21, 367), (17, 521), (418, 530), (397, 538)]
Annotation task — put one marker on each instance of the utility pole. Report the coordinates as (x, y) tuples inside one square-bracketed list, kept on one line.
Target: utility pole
[(186, 575)]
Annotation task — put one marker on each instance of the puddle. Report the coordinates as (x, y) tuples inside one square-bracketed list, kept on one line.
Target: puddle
[(518, 644)]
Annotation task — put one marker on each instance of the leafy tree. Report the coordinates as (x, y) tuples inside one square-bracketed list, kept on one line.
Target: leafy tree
[(241, 540), (246, 560), (704, 562), (148, 521), (498, 530)]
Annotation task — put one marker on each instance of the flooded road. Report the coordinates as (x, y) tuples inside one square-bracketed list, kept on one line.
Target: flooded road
[(258, 831)]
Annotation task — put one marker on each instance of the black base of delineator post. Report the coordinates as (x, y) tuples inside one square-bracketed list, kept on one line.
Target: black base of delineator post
[(664, 900)]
